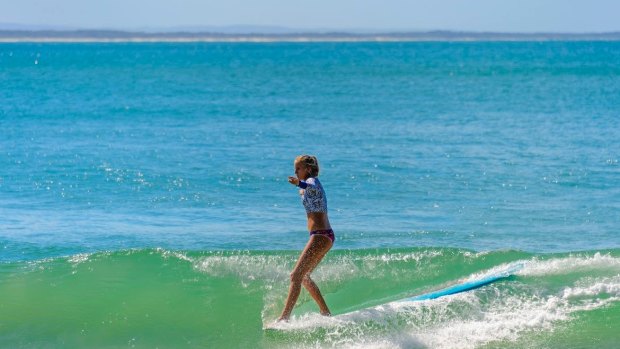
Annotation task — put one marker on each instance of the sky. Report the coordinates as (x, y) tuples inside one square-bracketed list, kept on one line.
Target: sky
[(527, 16)]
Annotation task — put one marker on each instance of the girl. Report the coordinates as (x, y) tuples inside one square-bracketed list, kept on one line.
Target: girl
[(321, 234)]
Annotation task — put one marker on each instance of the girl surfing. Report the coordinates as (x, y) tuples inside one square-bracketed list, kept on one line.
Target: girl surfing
[(321, 234)]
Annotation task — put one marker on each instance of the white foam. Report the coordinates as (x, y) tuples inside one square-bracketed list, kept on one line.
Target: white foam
[(175, 254), (503, 322), (506, 269), (79, 258), (247, 267), (555, 266), (609, 286), (573, 263), (278, 267), (460, 321)]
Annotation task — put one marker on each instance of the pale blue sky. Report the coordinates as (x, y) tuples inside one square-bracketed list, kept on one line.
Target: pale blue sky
[(466, 15)]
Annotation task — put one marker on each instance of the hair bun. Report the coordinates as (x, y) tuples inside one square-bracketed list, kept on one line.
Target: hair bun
[(311, 162)]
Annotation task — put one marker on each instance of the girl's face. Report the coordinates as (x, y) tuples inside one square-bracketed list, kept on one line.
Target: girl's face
[(301, 171)]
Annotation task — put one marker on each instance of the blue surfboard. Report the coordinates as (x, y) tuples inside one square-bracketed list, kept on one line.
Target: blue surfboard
[(469, 285), (505, 273)]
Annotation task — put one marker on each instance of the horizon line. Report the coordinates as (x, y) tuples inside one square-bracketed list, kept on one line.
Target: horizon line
[(244, 29), (113, 35), (293, 31)]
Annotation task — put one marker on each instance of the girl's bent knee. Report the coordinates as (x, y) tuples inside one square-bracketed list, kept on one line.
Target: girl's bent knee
[(297, 277)]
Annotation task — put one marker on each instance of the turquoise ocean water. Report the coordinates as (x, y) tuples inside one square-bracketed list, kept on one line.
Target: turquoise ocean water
[(144, 201)]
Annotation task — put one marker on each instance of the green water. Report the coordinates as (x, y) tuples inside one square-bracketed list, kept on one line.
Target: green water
[(165, 299)]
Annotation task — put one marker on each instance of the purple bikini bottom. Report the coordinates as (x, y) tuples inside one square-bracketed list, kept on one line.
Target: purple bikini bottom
[(327, 233)]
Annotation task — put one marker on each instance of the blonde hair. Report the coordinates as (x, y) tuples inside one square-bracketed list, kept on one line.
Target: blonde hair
[(310, 162)]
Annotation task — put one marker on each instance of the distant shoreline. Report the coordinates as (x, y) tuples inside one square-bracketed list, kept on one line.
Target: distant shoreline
[(107, 36)]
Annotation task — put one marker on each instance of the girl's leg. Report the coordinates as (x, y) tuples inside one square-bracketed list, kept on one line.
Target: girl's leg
[(313, 253), (314, 291)]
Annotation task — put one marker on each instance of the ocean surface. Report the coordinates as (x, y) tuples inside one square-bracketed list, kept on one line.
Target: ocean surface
[(144, 199)]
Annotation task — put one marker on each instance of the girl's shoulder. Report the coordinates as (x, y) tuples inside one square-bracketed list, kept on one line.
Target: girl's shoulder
[(312, 180)]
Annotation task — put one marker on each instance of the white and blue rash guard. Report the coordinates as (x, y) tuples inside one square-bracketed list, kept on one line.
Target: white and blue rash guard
[(313, 197)]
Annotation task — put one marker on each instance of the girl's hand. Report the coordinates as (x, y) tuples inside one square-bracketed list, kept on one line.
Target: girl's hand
[(294, 181)]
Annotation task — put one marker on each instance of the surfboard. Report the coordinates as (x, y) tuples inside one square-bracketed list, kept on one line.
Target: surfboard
[(497, 275), (509, 271)]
